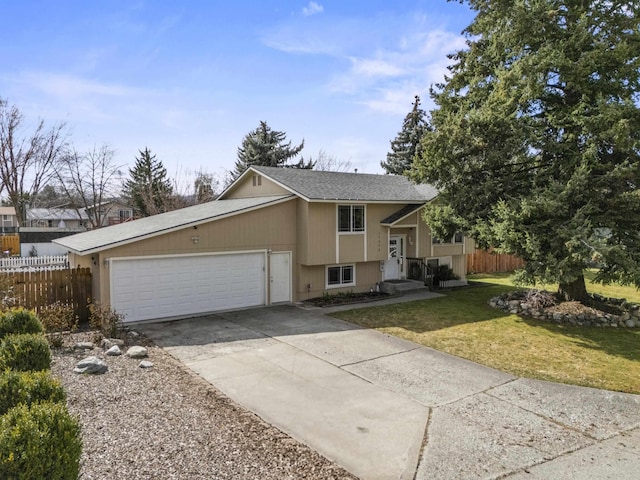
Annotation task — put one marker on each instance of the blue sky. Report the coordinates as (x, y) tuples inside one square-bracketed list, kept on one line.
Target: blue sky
[(190, 79)]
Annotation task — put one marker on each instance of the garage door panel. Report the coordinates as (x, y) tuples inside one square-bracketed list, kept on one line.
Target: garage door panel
[(162, 287)]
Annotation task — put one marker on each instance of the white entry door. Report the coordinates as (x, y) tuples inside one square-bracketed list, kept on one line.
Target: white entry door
[(280, 277), (394, 266)]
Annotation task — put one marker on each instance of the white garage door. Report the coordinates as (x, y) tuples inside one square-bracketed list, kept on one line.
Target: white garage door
[(162, 287)]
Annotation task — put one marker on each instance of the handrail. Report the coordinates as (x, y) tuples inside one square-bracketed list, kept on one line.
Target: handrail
[(419, 270)]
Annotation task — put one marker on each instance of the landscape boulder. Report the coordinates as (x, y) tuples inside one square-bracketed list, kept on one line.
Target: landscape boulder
[(136, 352), (114, 351), (92, 365)]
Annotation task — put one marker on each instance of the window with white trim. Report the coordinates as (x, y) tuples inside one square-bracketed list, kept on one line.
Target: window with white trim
[(351, 218), (341, 276)]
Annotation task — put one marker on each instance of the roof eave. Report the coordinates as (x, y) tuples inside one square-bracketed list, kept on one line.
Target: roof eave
[(147, 236)]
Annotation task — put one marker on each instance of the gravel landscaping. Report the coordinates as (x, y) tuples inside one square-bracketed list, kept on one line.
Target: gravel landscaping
[(165, 422)]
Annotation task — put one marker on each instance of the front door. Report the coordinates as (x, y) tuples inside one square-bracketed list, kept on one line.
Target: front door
[(394, 266), (280, 277)]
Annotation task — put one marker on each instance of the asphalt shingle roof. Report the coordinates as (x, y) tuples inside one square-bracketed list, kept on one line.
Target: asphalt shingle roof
[(55, 214), (403, 212), (320, 185), (102, 238)]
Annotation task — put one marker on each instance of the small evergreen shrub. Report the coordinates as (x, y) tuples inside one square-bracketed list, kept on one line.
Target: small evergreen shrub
[(25, 352), (27, 388), (444, 273), (39, 441), (19, 320)]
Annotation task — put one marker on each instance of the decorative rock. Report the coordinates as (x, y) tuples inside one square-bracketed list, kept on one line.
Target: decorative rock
[(114, 351), (145, 364), (110, 342), (84, 346), (137, 352), (517, 303), (91, 365)]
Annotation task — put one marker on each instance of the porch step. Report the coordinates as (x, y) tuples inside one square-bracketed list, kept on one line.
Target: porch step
[(400, 287)]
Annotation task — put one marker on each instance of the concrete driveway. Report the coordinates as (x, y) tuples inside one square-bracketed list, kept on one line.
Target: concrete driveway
[(386, 408)]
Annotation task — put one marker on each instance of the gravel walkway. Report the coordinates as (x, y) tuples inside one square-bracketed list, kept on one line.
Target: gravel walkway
[(167, 423)]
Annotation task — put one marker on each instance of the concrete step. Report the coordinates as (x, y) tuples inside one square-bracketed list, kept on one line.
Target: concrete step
[(400, 287)]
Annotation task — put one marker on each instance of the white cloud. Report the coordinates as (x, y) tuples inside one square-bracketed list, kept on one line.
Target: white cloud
[(382, 63), (69, 86), (312, 9), (375, 67)]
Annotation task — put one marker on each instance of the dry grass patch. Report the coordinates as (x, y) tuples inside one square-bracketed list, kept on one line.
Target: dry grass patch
[(461, 323)]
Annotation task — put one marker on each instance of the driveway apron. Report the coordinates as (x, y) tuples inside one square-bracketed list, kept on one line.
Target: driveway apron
[(386, 408)]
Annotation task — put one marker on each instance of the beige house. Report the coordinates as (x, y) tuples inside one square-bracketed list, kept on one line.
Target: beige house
[(275, 235), (111, 212), (8, 220)]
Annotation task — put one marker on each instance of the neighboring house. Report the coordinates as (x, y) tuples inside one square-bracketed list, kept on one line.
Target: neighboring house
[(60, 218), (8, 220), (111, 212), (42, 225), (274, 235)]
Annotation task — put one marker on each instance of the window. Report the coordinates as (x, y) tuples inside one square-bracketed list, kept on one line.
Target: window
[(457, 238), (125, 214), (433, 263), (350, 218), (340, 276), (257, 180)]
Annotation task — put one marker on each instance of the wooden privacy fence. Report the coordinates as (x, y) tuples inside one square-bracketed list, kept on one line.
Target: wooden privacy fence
[(10, 243), (35, 289), (483, 261)]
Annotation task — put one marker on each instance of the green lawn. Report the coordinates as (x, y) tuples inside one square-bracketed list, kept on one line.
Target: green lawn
[(461, 323)]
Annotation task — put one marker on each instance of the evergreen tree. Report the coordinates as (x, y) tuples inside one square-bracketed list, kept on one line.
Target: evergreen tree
[(535, 144), (147, 188), (266, 147), (407, 143)]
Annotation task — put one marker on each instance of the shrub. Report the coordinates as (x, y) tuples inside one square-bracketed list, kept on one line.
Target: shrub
[(39, 441), (59, 320), (444, 273), (8, 297), (27, 388), (25, 352), (19, 320), (108, 322)]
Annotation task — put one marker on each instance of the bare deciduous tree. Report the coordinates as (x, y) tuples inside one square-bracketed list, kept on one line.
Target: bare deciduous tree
[(27, 158), (330, 163), (90, 179)]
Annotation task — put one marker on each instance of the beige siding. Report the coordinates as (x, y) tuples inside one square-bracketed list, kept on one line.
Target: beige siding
[(351, 248), (410, 221), (268, 228), (302, 228), (320, 244), (263, 187), (312, 280), (447, 249), (378, 235), (459, 266)]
